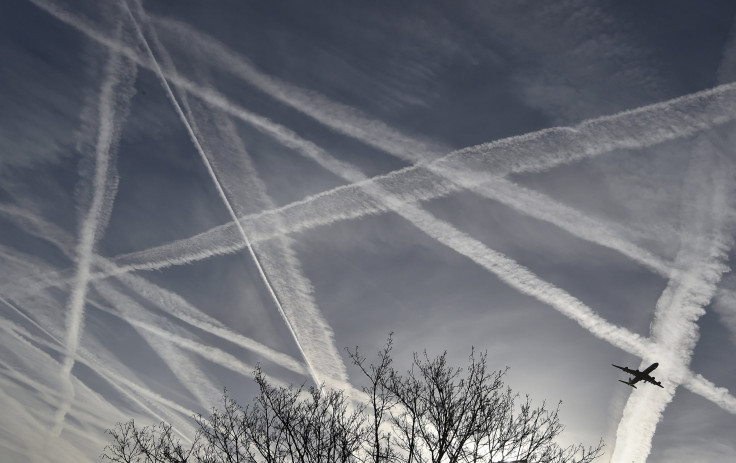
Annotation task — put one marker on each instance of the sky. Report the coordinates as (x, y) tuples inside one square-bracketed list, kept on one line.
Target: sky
[(190, 189)]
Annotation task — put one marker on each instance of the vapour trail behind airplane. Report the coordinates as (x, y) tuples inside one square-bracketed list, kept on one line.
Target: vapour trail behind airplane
[(506, 269), (426, 223), (706, 221), (533, 152), (98, 360), (343, 119), (677, 118), (599, 134), (641, 130), (705, 244), (246, 191), (205, 159), (114, 102), (167, 301), (118, 380), (159, 332), (352, 123)]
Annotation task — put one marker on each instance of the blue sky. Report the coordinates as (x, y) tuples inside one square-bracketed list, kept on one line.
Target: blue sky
[(548, 182)]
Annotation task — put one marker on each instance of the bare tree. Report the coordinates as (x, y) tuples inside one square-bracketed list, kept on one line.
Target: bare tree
[(443, 414), (433, 413)]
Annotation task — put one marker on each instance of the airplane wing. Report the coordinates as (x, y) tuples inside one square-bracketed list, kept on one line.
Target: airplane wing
[(650, 379), (627, 370)]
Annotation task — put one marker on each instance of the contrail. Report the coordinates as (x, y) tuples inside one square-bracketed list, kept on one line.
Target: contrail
[(631, 129), (93, 409), (678, 122), (138, 317), (150, 325), (675, 126), (277, 256), (725, 304), (352, 123), (114, 100), (537, 151), (183, 366), (226, 202), (705, 242), (35, 361), (506, 269), (41, 357), (91, 399), (120, 379), (636, 128), (26, 424), (707, 220), (342, 119), (165, 300)]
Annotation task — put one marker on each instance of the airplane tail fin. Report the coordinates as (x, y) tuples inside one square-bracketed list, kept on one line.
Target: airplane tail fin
[(627, 383)]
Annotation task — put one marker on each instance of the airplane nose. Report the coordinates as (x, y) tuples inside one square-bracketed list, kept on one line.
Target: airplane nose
[(655, 364)]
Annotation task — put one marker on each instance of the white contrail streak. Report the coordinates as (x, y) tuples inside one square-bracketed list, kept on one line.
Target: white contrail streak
[(119, 381), (186, 370), (343, 119), (30, 361), (114, 100), (707, 220), (169, 93), (725, 304), (119, 378), (537, 151), (674, 119), (705, 243), (116, 374), (506, 269), (25, 430), (246, 191), (279, 260), (631, 129), (352, 123), (157, 330), (167, 301)]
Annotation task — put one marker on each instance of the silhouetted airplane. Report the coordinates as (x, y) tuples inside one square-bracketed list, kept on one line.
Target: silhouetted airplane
[(640, 375)]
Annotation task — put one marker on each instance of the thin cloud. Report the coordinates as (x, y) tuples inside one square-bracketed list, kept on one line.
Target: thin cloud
[(341, 118), (705, 242), (533, 152), (169, 302), (246, 191), (114, 102), (352, 123), (509, 271), (644, 126), (197, 144)]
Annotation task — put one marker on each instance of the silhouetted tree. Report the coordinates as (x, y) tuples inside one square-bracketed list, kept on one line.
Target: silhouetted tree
[(433, 413)]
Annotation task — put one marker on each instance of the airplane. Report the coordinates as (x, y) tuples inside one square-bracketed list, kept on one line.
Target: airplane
[(640, 375)]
